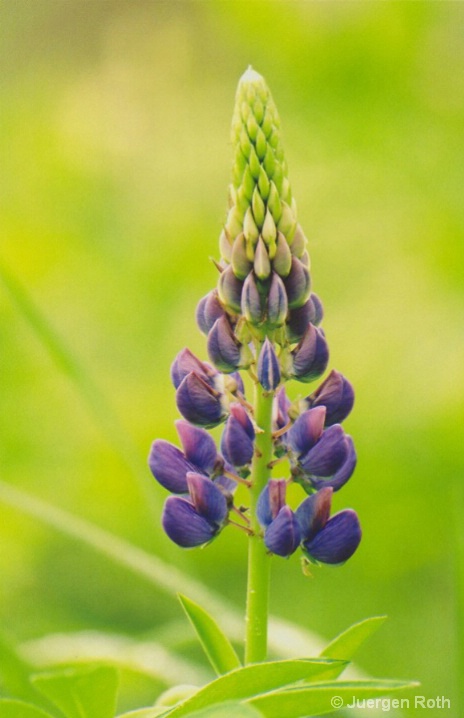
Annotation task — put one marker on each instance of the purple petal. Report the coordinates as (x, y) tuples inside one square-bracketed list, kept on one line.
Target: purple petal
[(281, 406), (329, 453), (298, 320), (198, 402), (226, 483), (306, 430), (283, 535), (241, 414), (236, 445), (337, 395), (310, 356), (342, 475), (184, 525), (199, 447), (277, 305), (207, 498), (169, 466), (270, 501), (186, 362), (251, 301), (297, 284), (317, 310), (338, 540), (268, 367), (313, 514), (224, 349), (230, 290), (208, 310)]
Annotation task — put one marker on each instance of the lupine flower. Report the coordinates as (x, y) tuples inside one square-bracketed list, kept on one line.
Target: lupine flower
[(199, 402), (320, 457), (170, 466), (282, 531), (237, 442), (186, 362), (298, 319), (209, 309), (263, 316), (195, 520), (327, 540), (224, 349), (311, 355), (268, 367), (336, 394)]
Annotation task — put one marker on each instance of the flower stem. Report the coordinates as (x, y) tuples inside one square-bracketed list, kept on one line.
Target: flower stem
[(259, 563)]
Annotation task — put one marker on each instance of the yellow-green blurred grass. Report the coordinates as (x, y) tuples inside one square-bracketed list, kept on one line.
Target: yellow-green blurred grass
[(115, 161)]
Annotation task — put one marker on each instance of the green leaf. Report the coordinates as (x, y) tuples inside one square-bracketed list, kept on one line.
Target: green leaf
[(227, 710), (81, 692), (17, 709), (347, 643), (321, 698), (254, 679), (15, 674), (216, 645)]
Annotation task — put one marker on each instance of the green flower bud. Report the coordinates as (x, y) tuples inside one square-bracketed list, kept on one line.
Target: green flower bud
[(261, 144), (269, 230), (250, 229), (287, 223), (263, 184), (262, 263), (233, 222), (239, 260), (258, 208), (252, 125), (299, 242), (274, 203), (282, 262), (225, 246)]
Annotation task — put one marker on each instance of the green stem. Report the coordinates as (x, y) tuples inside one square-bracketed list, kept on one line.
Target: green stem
[(259, 563)]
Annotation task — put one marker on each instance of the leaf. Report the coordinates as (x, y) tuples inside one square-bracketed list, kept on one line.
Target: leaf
[(219, 650), (347, 643), (81, 692), (17, 709), (15, 674), (254, 679), (321, 698), (227, 710)]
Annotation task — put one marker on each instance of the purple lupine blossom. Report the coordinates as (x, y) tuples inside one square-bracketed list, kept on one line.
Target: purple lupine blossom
[(195, 520), (263, 318)]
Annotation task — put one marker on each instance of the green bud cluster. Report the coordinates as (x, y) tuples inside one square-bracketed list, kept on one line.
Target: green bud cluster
[(261, 238)]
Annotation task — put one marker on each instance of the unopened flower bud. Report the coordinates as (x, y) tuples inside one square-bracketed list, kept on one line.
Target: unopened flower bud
[(258, 208), (287, 223), (268, 367), (282, 532), (250, 229), (299, 242), (251, 301), (237, 442), (311, 356), (298, 321), (225, 246), (282, 262), (262, 263), (224, 349), (200, 403), (230, 290), (336, 394), (277, 305), (239, 260), (274, 203), (297, 284), (269, 231), (186, 362), (317, 310), (208, 310)]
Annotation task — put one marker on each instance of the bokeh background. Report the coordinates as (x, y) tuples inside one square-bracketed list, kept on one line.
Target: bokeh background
[(115, 159)]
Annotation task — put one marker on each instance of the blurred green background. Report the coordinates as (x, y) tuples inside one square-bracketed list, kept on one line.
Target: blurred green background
[(115, 159)]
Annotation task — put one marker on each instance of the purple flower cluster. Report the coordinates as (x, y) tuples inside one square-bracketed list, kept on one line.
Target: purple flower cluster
[(307, 433), (262, 317)]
